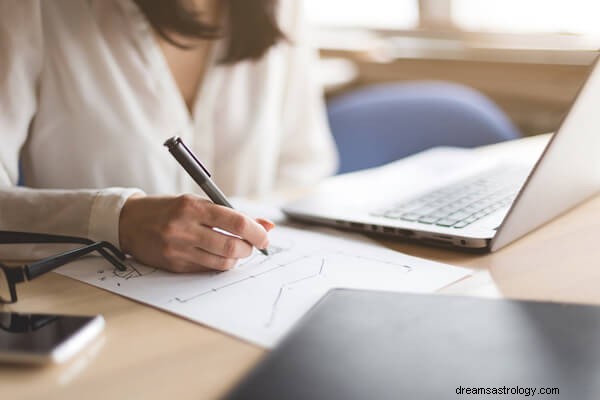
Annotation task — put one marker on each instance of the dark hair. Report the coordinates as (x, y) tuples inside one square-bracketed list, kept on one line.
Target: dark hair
[(251, 25)]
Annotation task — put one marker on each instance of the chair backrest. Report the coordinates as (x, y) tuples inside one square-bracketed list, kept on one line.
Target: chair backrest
[(379, 124), (21, 181)]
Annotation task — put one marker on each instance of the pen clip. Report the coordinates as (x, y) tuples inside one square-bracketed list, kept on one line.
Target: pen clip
[(179, 141)]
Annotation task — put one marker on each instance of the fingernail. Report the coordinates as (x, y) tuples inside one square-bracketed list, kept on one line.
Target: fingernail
[(265, 223), (269, 225)]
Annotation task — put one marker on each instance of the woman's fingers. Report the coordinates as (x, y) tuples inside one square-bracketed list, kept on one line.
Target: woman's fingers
[(200, 260), (176, 233), (217, 243), (237, 223)]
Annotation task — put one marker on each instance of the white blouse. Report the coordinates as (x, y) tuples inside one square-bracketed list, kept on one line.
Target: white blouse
[(87, 100)]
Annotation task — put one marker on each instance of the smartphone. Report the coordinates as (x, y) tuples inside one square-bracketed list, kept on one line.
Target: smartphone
[(45, 338)]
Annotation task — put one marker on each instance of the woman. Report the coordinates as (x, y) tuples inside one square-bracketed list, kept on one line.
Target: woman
[(89, 91)]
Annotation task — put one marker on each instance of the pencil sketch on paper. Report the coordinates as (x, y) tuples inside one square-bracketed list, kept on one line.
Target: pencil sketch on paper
[(288, 286), (260, 299), (133, 271), (301, 270)]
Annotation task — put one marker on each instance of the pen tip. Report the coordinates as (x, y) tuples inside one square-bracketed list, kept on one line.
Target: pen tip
[(264, 251)]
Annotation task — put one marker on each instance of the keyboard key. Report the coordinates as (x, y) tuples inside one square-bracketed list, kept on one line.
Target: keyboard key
[(447, 222), (410, 216), (471, 209), (426, 210), (394, 214), (461, 224), (427, 220), (438, 214), (452, 208), (460, 215), (488, 210)]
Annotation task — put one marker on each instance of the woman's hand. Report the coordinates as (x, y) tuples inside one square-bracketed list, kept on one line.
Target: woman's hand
[(176, 233)]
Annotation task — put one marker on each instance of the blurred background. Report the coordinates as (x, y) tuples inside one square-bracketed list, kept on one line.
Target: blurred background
[(528, 56)]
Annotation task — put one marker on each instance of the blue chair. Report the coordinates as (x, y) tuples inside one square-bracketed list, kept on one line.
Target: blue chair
[(379, 124), (21, 181)]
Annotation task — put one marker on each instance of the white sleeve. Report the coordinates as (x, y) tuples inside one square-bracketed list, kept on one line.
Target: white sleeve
[(87, 213), (308, 151), (20, 65)]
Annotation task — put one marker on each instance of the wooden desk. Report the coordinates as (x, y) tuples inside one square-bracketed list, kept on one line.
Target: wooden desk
[(145, 353)]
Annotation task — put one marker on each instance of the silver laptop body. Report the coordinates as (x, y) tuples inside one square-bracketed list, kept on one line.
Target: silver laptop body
[(468, 199)]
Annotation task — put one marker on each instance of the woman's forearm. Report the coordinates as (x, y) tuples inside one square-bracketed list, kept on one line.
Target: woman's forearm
[(87, 213)]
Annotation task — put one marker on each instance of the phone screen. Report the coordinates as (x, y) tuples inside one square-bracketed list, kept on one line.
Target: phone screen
[(38, 337)]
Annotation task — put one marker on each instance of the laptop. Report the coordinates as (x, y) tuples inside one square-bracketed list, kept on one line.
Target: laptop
[(464, 199), (374, 345)]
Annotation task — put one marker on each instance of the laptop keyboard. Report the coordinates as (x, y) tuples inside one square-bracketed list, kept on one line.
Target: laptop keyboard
[(461, 204)]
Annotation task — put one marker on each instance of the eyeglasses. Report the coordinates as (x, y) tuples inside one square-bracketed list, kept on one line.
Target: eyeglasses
[(11, 276)]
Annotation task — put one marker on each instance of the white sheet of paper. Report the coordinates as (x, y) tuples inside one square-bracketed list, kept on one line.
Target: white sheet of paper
[(262, 297)]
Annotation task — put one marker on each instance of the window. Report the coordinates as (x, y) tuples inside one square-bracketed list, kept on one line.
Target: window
[(376, 14), (579, 17), (528, 16)]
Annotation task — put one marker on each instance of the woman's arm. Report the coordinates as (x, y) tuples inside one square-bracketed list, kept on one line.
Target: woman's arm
[(172, 232), (90, 213)]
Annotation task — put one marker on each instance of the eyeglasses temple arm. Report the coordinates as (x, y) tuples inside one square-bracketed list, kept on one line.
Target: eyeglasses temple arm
[(38, 268), (14, 237)]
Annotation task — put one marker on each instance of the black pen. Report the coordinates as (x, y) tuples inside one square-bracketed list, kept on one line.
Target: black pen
[(199, 174)]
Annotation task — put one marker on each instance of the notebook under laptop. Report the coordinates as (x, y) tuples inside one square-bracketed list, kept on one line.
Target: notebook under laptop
[(455, 197)]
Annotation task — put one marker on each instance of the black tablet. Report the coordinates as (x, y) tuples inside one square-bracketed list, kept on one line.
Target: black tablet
[(376, 345)]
